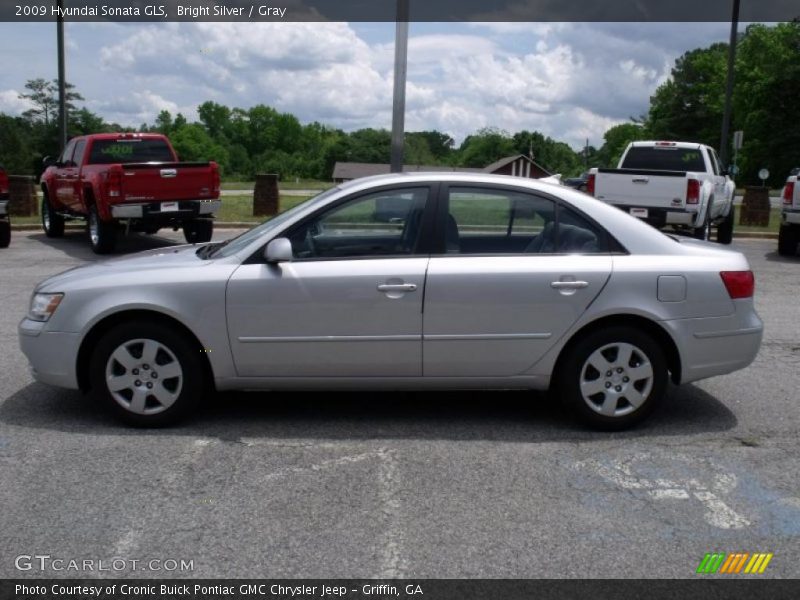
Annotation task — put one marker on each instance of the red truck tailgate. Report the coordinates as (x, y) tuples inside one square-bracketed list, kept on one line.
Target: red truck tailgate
[(165, 182)]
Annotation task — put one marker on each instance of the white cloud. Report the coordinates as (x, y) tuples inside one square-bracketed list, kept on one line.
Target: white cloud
[(11, 103)]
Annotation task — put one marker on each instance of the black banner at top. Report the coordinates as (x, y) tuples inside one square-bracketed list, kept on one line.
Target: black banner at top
[(386, 10)]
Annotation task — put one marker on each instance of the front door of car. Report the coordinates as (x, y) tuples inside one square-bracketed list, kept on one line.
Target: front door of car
[(65, 177), (515, 274), (350, 302)]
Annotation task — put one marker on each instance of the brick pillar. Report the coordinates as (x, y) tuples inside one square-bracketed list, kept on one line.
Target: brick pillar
[(265, 196), (755, 207), (22, 199)]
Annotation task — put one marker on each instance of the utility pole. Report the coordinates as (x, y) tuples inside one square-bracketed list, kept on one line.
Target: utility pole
[(62, 81), (726, 115), (400, 69)]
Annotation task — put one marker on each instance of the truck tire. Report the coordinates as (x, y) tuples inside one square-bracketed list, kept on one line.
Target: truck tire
[(788, 238), (102, 235), (704, 231), (725, 229), (198, 231), (52, 223), (5, 233)]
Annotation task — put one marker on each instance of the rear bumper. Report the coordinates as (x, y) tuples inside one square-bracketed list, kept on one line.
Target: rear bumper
[(790, 217), (715, 346), (661, 217), (52, 355), (152, 211)]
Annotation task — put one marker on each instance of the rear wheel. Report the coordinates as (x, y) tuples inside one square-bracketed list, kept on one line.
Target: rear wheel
[(788, 238), (613, 378), (52, 223), (198, 231), (725, 229), (5, 233), (149, 375), (704, 231), (102, 235)]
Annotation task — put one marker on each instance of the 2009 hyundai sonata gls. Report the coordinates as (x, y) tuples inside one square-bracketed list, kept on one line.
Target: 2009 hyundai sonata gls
[(405, 281)]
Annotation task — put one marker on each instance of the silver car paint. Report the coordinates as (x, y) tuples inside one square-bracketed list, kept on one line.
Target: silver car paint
[(352, 335)]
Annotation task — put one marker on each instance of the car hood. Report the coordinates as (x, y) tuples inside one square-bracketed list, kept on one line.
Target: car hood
[(156, 259)]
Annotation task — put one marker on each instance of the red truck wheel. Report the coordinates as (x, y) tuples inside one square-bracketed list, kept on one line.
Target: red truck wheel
[(52, 223), (102, 235), (5, 233), (198, 231)]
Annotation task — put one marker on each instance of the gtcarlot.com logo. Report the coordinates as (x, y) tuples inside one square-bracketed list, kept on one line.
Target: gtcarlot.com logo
[(46, 562), (734, 564)]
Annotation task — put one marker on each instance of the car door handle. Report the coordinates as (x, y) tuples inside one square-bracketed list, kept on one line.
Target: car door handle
[(569, 285), (397, 287)]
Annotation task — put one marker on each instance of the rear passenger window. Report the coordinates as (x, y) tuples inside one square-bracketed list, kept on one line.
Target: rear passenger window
[(487, 221)]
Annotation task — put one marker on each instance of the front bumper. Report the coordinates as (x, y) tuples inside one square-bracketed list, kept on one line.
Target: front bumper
[(715, 346), (53, 355), (151, 211), (790, 216)]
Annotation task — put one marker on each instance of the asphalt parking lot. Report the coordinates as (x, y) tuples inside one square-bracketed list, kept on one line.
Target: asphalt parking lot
[(402, 485)]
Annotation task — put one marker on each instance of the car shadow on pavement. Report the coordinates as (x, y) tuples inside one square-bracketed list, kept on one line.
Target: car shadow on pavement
[(775, 257), (75, 244), (507, 416)]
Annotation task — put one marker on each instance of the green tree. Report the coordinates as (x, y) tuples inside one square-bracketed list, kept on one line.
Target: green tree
[(617, 139), (44, 95), (485, 147)]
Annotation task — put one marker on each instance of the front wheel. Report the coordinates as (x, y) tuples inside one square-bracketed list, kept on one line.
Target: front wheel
[(148, 374), (102, 235), (613, 378), (52, 222), (198, 231), (725, 229)]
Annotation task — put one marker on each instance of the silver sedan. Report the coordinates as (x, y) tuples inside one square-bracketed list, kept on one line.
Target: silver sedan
[(423, 281)]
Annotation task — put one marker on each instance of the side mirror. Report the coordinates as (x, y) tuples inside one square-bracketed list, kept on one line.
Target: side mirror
[(48, 162), (278, 250)]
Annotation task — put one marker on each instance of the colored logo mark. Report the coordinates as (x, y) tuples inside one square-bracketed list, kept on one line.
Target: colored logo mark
[(733, 564)]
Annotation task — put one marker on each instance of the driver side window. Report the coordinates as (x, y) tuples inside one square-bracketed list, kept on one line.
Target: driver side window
[(385, 223)]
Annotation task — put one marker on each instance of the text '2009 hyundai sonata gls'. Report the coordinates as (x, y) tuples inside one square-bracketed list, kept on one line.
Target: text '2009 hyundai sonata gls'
[(423, 281)]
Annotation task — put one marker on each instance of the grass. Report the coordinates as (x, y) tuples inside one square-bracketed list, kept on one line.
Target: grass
[(302, 184), (774, 222)]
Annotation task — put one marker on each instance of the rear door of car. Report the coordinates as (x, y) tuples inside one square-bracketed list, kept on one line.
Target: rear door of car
[(350, 303), (511, 273)]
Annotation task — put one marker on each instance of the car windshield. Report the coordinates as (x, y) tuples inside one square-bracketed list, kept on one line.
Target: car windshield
[(243, 240), (125, 150)]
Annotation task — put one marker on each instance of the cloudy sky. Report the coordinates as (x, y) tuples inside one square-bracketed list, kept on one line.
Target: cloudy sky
[(570, 81)]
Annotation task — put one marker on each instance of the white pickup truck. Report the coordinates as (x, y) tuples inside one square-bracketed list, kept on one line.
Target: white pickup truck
[(670, 183), (789, 233)]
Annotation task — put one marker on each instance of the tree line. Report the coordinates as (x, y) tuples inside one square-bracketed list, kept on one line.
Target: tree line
[(260, 139)]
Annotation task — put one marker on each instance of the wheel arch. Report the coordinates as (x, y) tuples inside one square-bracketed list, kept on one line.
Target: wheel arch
[(107, 323), (659, 334)]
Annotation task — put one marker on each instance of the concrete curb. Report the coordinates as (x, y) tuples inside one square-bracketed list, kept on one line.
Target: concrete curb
[(750, 235)]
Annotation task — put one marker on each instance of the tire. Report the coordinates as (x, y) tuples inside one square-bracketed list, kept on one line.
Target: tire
[(131, 356), (52, 223), (788, 238), (725, 229), (152, 230), (5, 233), (198, 231), (609, 402), (704, 231), (102, 235)]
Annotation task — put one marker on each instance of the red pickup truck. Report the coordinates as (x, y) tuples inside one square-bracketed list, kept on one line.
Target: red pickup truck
[(5, 223), (130, 182)]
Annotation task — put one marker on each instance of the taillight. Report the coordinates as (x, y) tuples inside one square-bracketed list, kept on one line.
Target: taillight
[(740, 284), (214, 179), (590, 184), (114, 182), (788, 192), (693, 191)]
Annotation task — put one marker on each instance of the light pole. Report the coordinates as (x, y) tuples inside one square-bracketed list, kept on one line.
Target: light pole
[(726, 115), (399, 101), (62, 82)]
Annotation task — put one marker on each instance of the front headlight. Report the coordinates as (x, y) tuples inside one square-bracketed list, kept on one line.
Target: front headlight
[(43, 306)]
